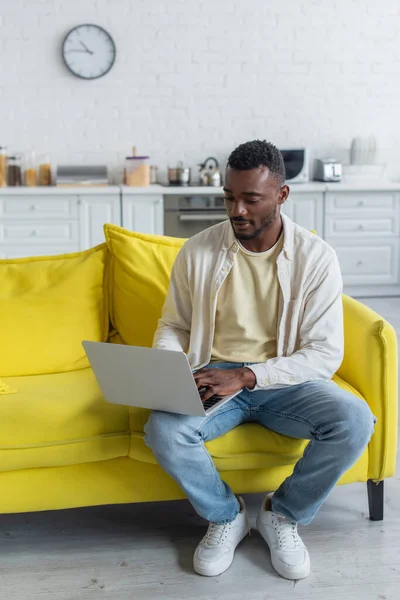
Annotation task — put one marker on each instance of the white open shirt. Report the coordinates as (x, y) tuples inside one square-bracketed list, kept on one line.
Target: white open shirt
[(310, 319)]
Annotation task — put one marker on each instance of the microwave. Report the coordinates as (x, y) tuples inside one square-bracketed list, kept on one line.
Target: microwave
[(296, 165)]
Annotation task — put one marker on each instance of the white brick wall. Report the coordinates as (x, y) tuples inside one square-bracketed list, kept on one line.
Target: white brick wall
[(197, 77)]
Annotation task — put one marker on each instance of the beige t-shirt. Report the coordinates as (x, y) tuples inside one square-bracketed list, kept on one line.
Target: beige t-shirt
[(247, 308)]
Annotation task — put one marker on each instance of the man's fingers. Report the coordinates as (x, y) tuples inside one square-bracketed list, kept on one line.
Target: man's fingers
[(211, 391), (204, 378)]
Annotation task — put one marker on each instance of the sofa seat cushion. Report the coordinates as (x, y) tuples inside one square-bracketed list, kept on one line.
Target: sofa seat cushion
[(249, 446), (59, 419), (48, 305)]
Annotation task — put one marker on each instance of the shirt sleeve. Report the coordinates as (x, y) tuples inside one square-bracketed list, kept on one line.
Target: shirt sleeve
[(173, 331), (321, 338)]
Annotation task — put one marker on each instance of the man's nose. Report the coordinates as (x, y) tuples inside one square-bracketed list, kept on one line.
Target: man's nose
[(239, 209)]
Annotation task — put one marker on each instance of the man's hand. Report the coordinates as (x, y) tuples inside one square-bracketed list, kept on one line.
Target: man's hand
[(224, 382)]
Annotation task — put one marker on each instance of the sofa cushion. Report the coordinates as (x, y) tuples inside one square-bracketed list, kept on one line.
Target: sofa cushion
[(140, 268), (48, 305), (6, 389), (59, 419), (249, 446)]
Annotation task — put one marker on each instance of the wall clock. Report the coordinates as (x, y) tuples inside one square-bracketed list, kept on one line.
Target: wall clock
[(88, 51)]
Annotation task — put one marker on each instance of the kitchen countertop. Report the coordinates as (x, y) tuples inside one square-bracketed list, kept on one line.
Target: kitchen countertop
[(165, 190), (54, 189), (312, 186)]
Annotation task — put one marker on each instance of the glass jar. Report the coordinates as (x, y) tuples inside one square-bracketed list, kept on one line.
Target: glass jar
[(3, 166), (137, 171), (153, 174), (14, 171), (45, 170), (30, 175)]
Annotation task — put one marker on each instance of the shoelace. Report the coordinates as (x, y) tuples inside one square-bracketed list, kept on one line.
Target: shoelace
[(217, 534), (286, 532)]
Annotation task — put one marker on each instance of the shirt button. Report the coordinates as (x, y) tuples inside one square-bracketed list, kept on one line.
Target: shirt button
[(266, 381), (235, 247)]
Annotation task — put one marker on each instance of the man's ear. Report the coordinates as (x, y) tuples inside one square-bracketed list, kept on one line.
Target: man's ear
[(283, 194)]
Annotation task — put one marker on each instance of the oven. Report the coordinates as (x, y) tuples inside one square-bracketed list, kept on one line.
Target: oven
[(188, 214)]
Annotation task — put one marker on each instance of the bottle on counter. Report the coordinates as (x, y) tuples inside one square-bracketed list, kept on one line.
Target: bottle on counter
[(3, 166), (30, 175), (153, 174), (14, 171), (45, 170)]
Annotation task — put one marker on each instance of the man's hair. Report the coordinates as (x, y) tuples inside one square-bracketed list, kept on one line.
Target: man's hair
[(258, 153)]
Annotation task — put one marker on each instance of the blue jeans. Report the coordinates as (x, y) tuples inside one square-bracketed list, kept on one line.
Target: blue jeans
[(338, 424)]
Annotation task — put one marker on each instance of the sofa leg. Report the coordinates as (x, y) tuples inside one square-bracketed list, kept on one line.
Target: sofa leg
[(375, 500)]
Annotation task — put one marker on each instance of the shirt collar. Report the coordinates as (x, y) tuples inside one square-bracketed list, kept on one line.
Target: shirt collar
[(230, 242)]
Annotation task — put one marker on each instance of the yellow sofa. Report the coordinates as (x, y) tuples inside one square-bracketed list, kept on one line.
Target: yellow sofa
[(62, 445)]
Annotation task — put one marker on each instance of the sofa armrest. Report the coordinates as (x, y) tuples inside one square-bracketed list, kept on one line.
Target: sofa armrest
[(370, 366)]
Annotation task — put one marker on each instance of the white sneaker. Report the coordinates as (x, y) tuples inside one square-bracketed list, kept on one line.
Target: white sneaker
[(214, 554), (289, 556)]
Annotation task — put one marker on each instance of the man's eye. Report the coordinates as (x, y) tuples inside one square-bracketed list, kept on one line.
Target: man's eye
[(228, 199)]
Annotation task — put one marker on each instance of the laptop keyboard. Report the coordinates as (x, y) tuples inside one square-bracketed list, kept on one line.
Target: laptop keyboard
[(211, 401)]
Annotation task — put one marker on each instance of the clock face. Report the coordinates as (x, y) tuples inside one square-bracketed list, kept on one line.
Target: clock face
[(88, 51)]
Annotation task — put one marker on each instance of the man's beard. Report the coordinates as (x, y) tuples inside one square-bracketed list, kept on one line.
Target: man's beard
[(265, 224)]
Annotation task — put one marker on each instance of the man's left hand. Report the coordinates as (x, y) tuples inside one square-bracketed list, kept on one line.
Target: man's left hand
[(224, 382)]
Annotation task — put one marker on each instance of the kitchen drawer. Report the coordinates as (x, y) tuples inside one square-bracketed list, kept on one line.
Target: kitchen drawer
[(361, 202), (23, 207), (22, 251), (342, 226), (368, 263), (24, 232)]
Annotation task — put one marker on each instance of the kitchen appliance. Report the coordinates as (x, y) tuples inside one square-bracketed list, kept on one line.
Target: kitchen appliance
[(179, 175), (327, 169), (210, 173), (188, 214), (85, 175), (296, 165)]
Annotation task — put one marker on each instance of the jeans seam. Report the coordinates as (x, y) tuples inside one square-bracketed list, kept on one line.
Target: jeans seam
[(295, 474), (286, 415), (214, 470)]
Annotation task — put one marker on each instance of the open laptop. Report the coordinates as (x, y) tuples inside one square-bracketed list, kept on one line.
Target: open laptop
[(148, 378)]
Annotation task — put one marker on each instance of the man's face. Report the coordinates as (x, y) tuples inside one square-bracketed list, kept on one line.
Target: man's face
[(252, 201)]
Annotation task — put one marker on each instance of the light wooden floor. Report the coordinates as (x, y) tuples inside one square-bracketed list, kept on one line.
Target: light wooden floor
[(145, 551)]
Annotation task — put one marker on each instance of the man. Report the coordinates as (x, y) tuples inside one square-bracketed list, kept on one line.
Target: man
[(256, 303)]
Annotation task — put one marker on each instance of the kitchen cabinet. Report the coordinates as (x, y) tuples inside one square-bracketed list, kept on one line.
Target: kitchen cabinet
[(363, 227), (306, 209), (143, 212), (45, 221), (93, 213), (362, 223)]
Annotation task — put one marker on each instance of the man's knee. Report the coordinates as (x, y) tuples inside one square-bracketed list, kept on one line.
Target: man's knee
[(353, 420), (163, 430)]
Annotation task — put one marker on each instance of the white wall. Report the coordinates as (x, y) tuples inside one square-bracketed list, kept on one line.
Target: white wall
[(197, 77)]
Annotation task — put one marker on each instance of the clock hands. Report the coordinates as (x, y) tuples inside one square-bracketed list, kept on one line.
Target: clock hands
[(85, 50), (84, 46)]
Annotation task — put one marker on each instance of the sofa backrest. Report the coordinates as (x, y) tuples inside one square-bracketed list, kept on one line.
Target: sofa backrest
[(48, 305), (140, 269)]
